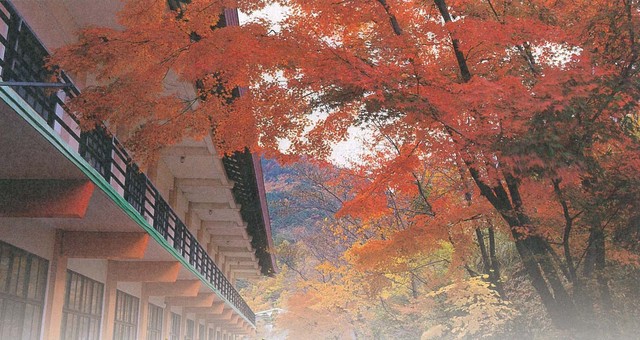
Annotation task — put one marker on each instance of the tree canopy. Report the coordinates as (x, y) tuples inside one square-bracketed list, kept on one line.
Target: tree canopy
[(484, 117)]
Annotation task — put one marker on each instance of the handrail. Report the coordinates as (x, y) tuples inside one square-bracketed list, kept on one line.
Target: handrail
[(22, 58)]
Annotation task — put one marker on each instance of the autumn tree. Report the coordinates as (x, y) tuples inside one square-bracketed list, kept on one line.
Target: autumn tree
[(531, 105), (366, 277)]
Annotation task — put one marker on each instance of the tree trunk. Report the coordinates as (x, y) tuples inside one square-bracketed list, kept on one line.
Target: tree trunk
[(532, 248), (595, 262), (495, 266), (487, 260)]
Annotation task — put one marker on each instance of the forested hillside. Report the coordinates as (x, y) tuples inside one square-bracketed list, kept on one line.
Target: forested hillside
[(286, 189), (330, 287)]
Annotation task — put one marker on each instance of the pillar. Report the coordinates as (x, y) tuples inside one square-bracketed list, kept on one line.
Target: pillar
[(56, 290), (109, 311), (166, 322), (144, 314), (183, 324)]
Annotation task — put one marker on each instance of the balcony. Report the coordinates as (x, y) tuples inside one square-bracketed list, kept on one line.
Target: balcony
[(99, 154)]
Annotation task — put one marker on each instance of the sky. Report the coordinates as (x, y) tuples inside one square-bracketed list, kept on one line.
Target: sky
[(345, 153)]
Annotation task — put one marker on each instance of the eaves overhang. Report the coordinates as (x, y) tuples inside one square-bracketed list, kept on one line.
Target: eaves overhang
[(245, 170)]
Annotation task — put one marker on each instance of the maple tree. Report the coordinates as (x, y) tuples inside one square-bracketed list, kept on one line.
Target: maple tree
[(526, 110), (334, 289)]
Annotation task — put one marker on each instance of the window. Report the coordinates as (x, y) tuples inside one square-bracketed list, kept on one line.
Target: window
[(23, 281), (174, 333), (154, 324), (190, 330), (126, 319), (82, 309), (201, 334)]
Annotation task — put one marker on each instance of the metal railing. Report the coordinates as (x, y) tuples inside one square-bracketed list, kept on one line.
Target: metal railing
[(22, 59)]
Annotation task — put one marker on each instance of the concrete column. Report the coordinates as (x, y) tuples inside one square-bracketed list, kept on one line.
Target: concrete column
[(212, 249), (166, 322), (173, 194), (183, 324), (143, 315), (207, 330), (189, 218), (109, 309), (227, 267), (211, 331), (152, 173), (56, 290), (202, 236), (196, 333)]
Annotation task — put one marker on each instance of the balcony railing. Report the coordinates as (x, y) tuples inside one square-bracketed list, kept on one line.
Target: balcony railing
[(21, 59)]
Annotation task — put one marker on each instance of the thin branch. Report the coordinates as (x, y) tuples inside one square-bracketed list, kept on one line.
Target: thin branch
[(392, 18)]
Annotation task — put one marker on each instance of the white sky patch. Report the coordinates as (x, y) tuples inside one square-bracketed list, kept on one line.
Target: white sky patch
[(558, 55), (351, 152), (273, 13), (347, 153)]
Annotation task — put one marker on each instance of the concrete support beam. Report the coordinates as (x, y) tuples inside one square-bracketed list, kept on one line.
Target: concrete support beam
[(246, 271), (223, 226), (232, 249), (186, 151), (238, 243), (220, 231), (104, 245), (214, 206), (248, 266), (144, 271), (233, 217), (201, 300), (249, 276), (201, 182), (243, 259), (44, 198), (215, 309), (234, 320), (236, 237), (224, 316), (237, 252), (178, 288)]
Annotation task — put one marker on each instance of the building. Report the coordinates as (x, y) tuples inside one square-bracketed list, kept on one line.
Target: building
[(91, 248)]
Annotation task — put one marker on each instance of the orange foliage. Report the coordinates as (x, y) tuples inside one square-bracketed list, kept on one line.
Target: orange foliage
[(472, 111)]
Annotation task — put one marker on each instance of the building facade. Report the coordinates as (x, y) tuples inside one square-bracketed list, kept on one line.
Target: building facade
[(91, 247)]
